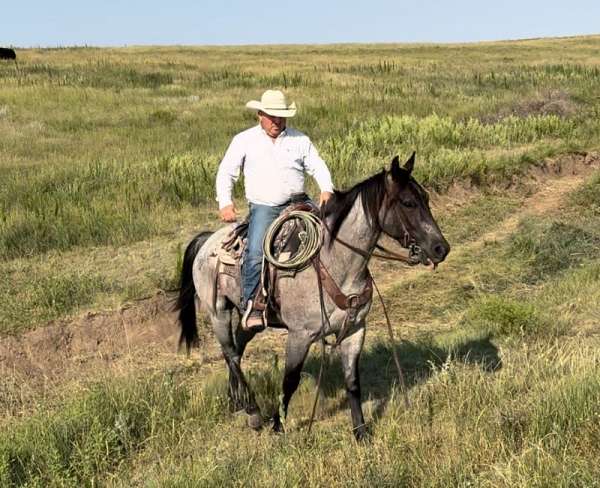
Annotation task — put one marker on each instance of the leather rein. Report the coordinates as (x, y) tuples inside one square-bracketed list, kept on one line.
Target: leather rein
[(346, 302), (352, 303)]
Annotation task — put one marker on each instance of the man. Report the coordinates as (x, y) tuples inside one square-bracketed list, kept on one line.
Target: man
[(274, 159)]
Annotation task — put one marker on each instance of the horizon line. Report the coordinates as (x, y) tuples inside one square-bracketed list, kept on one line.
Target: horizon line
[(298, 44)]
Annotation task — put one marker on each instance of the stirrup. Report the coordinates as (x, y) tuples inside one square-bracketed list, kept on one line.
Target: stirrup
[(254, 324)]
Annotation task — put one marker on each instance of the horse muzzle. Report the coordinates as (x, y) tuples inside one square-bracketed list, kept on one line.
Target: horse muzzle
[(430, 258)]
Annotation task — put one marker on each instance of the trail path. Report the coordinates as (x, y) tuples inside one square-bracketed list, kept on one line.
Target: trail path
[(144, 336)]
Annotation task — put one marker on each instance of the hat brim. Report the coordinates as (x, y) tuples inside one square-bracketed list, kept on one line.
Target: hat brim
[(275, 112)]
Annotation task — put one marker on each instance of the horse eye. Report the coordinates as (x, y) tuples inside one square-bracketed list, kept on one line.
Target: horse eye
[(408, 203)]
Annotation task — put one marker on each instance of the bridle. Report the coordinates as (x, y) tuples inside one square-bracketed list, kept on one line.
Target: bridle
[(412, 254)]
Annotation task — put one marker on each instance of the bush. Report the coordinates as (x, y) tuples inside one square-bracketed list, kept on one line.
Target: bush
[(500, 317)]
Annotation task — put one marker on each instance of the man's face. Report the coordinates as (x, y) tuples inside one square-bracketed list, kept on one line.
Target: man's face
[(272, 125)]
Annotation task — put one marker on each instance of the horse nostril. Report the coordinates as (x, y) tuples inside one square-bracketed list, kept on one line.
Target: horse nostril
[(440, 251)]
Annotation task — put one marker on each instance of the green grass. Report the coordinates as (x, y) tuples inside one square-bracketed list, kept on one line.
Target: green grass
[(94, 433), (87, 128), (114, 147), (100, 203), (550, 247), (450, 150), (43, 298), (526, 424), (55, 285), (587, 198), (108, 158), (505, 394), (499, 316)]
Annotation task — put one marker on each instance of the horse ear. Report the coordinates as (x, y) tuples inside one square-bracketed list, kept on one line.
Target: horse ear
[(410, 164), (395, 169)]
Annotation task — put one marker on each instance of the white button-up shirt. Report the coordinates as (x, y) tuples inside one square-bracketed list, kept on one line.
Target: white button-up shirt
[(273, 171)]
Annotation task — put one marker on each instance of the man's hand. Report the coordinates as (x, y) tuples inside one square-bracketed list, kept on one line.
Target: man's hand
[(325, 195), (228, 213)]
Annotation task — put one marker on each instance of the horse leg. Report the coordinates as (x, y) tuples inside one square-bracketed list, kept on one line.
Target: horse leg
[(239, 392), (350, 348), (297, 348)]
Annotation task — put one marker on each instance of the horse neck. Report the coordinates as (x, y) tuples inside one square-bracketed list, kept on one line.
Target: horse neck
[(343, 263)]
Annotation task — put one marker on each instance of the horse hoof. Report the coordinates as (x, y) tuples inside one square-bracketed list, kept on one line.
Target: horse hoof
[(255, 421), (278, 426), (361, 434)]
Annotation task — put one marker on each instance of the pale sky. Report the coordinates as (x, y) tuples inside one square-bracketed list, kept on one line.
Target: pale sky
[(30, 23)]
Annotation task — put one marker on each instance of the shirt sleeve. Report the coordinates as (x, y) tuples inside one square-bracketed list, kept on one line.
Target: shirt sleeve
[(317, 168), (229, 171)]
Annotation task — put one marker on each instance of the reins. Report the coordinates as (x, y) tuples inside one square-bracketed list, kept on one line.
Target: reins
[(409, 258), (319, 269)]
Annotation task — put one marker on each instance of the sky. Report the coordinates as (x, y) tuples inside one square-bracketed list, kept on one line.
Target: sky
[(50, 23)]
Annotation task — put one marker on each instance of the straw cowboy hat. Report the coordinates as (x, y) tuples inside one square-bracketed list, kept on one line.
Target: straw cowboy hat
[(273, 102)]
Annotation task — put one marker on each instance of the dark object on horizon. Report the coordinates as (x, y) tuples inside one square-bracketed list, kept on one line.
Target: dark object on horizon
[(6, 53)]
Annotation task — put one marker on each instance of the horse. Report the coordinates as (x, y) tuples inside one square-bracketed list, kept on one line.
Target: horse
[(390, 202)]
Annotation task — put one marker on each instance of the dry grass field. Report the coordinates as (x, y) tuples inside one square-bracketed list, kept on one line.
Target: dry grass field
[(107, 161)]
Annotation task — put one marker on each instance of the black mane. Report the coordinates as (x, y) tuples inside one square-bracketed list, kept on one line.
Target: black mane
[(371, 191)]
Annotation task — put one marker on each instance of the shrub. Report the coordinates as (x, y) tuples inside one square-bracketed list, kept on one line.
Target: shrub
[(498, 317)]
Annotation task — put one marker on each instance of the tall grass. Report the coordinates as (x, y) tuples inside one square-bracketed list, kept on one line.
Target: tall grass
[(115, 202), (451, 150), (102, 202), (95, 432), (105, 146), (531, 423)]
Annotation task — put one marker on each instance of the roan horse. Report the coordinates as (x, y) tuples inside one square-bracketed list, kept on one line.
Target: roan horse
[(390, 202)]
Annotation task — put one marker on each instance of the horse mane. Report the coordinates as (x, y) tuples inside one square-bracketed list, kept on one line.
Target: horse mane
[(371, 191)]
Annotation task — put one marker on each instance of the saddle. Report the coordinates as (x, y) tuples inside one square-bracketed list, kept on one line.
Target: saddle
[(285, 244)]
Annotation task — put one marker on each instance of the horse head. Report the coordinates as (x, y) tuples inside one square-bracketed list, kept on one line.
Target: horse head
[(406, 217)]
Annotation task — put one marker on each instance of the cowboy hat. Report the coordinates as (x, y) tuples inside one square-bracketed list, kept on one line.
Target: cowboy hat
[(273, 102)]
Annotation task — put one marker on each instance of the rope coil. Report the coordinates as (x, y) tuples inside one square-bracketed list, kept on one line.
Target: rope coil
[(311, 239)]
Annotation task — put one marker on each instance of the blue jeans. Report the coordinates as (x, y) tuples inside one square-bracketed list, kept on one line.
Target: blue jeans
[(260, 217)]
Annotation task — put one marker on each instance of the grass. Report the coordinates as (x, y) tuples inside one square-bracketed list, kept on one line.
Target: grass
[(55, 295), (99, 429), (506, 393), (107, 160), (38, 289), (551, 247), (118, 117), (100, 203), (113, 147), (524, 425)]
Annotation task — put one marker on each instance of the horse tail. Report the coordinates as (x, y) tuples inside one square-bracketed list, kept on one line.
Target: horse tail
[(187, 293)]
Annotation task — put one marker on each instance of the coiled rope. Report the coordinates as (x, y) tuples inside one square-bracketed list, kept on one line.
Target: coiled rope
[(311, 239)]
